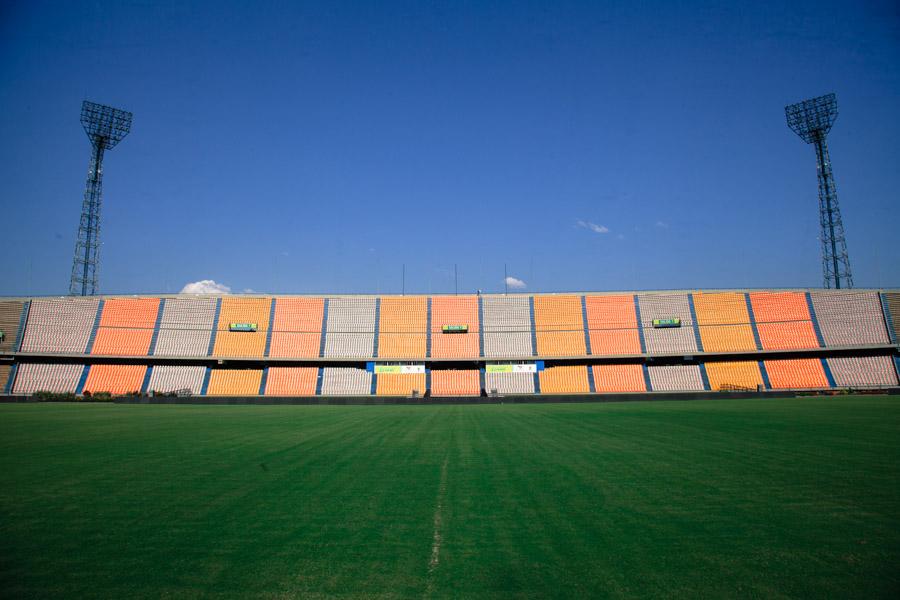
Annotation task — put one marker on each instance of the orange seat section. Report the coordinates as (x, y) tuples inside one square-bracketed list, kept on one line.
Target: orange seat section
[(559, 326), (291, 381), (234, 382), (796, 373), (115, 379), (734, 375), (783, 320), (787, 336), (564, 380), (619, 378), (612, 325), (727, 338), (399, 384), (454, 310), (724, 322), (403, 327), (126, 326), (297, 327), (455, 383), (242, 343)]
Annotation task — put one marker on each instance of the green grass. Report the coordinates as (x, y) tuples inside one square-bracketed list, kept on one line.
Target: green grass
[(715, 499)]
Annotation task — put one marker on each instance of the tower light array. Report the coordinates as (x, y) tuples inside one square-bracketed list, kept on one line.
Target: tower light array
[(812, 120), (105, 127)]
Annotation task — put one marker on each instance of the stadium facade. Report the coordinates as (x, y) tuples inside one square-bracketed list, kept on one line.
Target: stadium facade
[(446, 346)]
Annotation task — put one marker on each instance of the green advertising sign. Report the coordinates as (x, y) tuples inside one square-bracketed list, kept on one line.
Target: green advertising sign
[(673, 322), (455, 329), (499, 368), (242, 327)]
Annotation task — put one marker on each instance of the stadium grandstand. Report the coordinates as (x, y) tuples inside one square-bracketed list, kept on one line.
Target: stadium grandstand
[(452, 346)]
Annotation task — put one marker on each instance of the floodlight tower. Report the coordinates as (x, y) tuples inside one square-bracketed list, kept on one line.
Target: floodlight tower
[(105, 127), (812, 120)]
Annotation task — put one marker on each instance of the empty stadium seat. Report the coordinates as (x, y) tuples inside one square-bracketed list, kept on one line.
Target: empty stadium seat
[(675, 378), (724, 322), (507, 327), (796, 373), (291, 381), (454, 310), (675, 340), (849, 318), (234, 382), (297, 327), (734, 375), (863, 371), (126, 326), (619, 378), (350, 328), (166, 379), (403, 327), (509, 383), (564, 380), (612, 325), (243, 343), (346, 381), (60, 325), (10, 317), (32, 377), (559, 325), (400, 384), (186, 327), (115, 379), (455, 383), (783, 320)]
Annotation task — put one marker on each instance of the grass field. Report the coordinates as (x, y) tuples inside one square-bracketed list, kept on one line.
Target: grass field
[(715, 499)]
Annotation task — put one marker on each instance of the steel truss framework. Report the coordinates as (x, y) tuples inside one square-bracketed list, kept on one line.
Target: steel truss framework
[(812, 120), (105, 127)]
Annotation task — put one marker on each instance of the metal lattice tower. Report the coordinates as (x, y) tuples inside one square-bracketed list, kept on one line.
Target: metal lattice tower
[(105, 127), (812, 120)]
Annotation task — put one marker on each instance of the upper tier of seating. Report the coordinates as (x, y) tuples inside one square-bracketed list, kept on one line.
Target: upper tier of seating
[(513, 327), (10, 324)]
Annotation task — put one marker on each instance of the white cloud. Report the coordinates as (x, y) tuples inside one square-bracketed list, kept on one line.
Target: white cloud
[(593, 227), (662, 224), (515, 283), (205, 286)]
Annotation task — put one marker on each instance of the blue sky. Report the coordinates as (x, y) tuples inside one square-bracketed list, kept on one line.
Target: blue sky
[(316, 148)]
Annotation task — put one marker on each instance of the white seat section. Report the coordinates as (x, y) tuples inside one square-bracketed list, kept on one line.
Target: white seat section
[(849, 318), (509, 383), (350, 328), (849, 371), (507, 326), (346, 381), (676, 378), (171, 378), (60, 325), (670, 340), (31, 378), (186, 327)]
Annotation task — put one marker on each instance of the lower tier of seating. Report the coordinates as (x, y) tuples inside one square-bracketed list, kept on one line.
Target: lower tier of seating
[(792, 373)]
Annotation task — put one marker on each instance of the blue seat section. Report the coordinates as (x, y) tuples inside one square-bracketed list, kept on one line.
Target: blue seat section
[(508, 327), (60, 325), (350, 327), (673, 340)]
